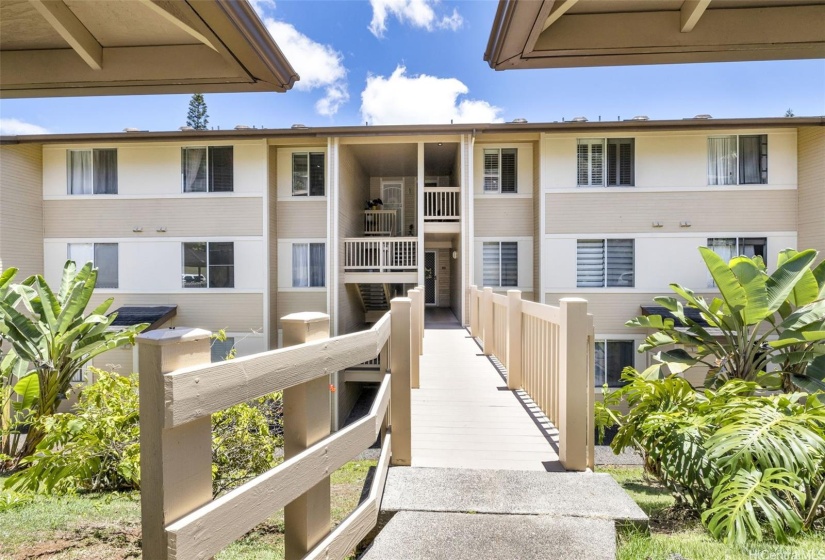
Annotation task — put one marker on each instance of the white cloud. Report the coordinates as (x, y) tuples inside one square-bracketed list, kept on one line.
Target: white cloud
[(318, 65), (418, 13), (258, 5), (423, 99), (14, 127)]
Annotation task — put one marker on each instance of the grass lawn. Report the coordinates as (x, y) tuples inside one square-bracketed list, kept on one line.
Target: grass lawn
[(676, 534), (107, 526)]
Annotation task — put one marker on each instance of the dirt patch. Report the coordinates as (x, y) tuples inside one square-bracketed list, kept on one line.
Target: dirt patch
[(92, 542), (673, 519)]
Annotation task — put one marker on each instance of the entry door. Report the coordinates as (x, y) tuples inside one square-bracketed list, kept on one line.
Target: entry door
[(392, 195), (430, 277)]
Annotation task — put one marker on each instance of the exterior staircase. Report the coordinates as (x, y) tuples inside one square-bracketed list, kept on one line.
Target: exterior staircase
[(375, 300)]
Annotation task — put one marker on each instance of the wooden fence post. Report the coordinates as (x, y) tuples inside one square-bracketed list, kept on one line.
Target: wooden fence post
[(306, 421), (473, 311), (514, 339), (486, 314), (573, 384), (400, 405), (175, 464), (416, 296)]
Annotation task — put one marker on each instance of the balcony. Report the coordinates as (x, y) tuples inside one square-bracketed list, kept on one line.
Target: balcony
[(441, 209), (381, 259), (380, 223)]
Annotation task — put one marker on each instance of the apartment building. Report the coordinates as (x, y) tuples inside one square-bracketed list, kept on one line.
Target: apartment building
[(234, 229)]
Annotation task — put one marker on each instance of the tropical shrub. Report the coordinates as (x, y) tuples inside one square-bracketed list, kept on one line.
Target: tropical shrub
[(765, 323), (54, 338), (97, 446), (94, 448), (748, 464)]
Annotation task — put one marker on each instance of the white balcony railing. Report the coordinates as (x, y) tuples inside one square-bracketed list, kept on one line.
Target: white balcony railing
[(441, 204), (379, 222), (380, 254)]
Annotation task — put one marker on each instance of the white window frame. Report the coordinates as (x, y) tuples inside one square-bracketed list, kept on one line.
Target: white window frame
[(206, 168), (497, 175), (208, 267), (606, 163), (308, 192), (91, 152), (634, 342), (499, 284), (94, 260), (737, 251), (736, 157), (308, 245), (606, 267)]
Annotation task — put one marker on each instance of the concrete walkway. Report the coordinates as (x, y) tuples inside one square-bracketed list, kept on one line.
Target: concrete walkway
[(463, 415)]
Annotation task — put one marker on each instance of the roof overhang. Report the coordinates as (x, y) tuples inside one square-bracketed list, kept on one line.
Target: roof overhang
[(53, 48), (579, 33)]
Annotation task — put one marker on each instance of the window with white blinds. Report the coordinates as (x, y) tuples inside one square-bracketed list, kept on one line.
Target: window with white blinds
[(605, 263), (500, 263), (605, 162), (738, 160), (500, 170)]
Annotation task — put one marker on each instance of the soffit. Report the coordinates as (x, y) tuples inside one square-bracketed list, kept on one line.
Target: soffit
[(387, 160), (113, 47), (579, 33)]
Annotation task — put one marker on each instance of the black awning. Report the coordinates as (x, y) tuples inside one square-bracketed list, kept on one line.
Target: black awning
[(691, 313), (136, 314)]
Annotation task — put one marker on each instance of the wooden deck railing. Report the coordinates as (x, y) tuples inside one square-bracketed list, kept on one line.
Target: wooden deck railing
[(441, 204), (548, 352), (379, 222), (180, 389), (380, 254)]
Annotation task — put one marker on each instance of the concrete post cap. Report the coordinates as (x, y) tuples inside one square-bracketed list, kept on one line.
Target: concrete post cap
[(305, 317), (173, 335)]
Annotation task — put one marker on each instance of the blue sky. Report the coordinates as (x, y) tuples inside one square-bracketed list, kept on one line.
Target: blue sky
[(412, 61)]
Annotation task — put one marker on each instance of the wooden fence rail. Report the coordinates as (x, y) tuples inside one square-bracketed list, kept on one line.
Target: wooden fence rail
[(548, 352), (180, 389)]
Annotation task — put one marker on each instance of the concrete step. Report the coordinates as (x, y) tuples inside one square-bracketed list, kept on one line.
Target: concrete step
[(500, 492), (416, 535)]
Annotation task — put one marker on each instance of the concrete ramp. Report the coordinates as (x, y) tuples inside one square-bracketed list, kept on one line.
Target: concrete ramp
[(434, 513)]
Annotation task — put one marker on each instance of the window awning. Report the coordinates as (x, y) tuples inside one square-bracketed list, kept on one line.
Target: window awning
[(690, 313), (53, 48), (156, 316)]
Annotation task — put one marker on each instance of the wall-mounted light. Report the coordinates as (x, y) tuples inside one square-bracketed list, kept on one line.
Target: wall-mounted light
[(137, 229), (161, 229), (684, 224), (455, 254), (657, 224)]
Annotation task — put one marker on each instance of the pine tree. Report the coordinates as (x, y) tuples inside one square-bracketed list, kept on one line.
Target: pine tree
[(197, 117)]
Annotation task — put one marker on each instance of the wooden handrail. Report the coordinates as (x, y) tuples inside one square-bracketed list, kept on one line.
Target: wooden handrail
[(548, 352)]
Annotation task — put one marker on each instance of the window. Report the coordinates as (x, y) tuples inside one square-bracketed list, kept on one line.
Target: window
[(612, 356), (500, 173), (92, 171), (729, 247), (309, 265), (103, 256), (605, 162), (209, 264), (207, 169), (500, 263), (605, 262), (308, 174), (738, 160), (221, 349)]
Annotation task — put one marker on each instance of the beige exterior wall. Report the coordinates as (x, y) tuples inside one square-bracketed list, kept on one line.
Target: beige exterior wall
[(524, 163), (297, 302), (812, 189), (114, 216), (284, 171), (629, 210), (501, 216), (272, 246), (21, 209), (153, 169), (302, 218), (354, 188)]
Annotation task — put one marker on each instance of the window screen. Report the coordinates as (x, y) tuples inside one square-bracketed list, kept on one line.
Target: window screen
[(500, 263), (221, 168), (601, 263), (612, 356), (753, 159), (620, 162)]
